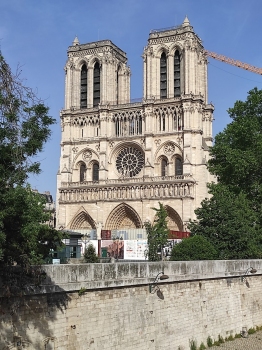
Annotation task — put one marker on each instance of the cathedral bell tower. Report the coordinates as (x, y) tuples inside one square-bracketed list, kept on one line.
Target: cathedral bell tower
[(96, 73)]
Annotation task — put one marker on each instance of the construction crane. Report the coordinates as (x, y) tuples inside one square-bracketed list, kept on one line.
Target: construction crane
[(233, 62)]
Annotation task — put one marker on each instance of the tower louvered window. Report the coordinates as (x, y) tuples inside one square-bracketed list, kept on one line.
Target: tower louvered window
[(82, 172), (163, 76), (96, 92), (117, 85), (178, 167), (163, 167), (177, 89), (83, 96), (95, 172)]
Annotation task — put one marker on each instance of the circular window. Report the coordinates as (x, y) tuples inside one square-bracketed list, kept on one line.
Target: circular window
[(129, 162)]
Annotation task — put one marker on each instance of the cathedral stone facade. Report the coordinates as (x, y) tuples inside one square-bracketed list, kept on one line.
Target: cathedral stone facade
[(120, 158)]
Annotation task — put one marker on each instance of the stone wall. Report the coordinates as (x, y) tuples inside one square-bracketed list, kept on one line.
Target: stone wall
[(109, 306)]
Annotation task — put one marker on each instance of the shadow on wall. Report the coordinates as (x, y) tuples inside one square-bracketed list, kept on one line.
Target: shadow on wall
[(20, 296)]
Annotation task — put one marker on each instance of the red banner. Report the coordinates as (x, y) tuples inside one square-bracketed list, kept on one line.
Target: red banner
[(105, 234), (178, 234)]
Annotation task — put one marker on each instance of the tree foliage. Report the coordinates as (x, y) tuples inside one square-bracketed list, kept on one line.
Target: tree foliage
[(24, 129), (157, 234), (90, 254), (194, 248), (231, 218), (237, 152)]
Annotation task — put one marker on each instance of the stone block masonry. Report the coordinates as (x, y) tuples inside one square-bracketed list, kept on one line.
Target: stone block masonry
[(109, 306)]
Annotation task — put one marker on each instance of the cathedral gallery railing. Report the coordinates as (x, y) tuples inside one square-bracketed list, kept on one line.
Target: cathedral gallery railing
[(128, 189)]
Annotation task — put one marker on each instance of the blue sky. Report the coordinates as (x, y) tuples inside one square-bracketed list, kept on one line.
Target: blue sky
[(36, 35)]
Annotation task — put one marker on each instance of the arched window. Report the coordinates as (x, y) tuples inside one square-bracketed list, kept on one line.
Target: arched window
[(117, 85), (83, 95), (178, 166), (163, 76), (95, 174), (163, 123), (177, 91), (117, 126), (82, 172), (140, 125), (96, 92), (163, 167)]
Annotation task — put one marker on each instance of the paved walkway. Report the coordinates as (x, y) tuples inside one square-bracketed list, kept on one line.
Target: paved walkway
[(253, 342)]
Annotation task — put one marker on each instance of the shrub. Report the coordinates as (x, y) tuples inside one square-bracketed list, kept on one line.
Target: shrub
[(90, 254), (194, 248), (209, 341), (220, 339), (202, 346), (193, 345), (251, 331)]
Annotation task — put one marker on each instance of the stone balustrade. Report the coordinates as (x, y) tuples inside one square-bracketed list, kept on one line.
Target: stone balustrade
[(94, 192)]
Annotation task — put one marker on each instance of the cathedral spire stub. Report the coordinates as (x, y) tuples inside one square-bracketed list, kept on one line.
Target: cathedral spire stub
[(186, 22), (76, 41)]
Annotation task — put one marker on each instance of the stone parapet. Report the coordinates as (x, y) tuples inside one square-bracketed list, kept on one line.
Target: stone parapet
[(71, 278)]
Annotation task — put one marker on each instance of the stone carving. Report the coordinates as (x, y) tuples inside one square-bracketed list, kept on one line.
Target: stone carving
[(158, 142), (169, 148), (75, 149), (132, 192), (87, 155), (98, 148), (179, 140)]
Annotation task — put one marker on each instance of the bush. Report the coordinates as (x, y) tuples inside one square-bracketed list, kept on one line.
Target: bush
[(90, 254), (202, 346), (194, 248), (209, 341)]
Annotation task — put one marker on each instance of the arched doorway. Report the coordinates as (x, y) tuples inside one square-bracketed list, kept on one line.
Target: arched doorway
[(123, 217), (82, 220)]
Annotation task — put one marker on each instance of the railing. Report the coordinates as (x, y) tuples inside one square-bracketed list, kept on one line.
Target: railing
[(164, 29), (127, 192), (131, 103), (130, 180)]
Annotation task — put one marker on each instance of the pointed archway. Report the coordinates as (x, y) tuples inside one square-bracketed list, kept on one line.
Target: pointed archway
[(123, 217), (82, 220), (174, 222)]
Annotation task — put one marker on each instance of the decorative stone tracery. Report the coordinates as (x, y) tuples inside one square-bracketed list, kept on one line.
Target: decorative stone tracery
[(123, 216)]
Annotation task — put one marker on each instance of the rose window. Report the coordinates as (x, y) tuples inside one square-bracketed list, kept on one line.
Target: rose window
[(129, 162)]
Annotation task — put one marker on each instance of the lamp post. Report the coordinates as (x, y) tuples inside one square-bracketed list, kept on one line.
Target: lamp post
[(86, 239), (249, 270), (153, 287)]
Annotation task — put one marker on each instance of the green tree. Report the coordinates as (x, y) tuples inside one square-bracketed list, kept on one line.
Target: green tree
[(236, 156), (90, 254), (194, 248), (24, 129), (231, 218), (157, 234), (228, 221)]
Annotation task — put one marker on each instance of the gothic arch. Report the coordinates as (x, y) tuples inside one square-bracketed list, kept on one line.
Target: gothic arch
[(90, 155), (175, 47), (123, 216), (162, 48), (120, 68), (174, 221), (161, 150), (120, 146), (80, 61), (82, 220), (93, 60)]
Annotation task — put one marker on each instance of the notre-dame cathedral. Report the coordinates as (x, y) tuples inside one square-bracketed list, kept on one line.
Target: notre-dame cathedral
[(120, 158)]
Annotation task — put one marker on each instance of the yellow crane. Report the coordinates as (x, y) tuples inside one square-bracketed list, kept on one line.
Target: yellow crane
[(233, 62)]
